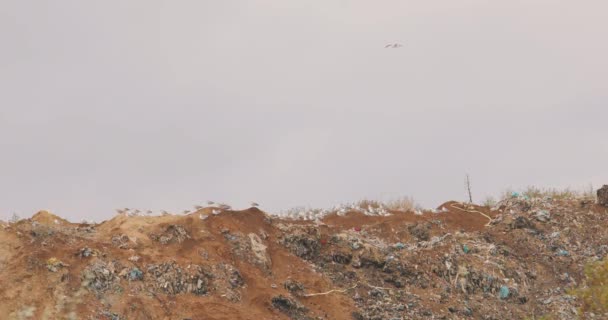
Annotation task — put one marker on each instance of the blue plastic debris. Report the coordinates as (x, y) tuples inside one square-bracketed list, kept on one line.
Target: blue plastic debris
[(504, 292), (465, 248), (515, 194), (136, 274), (399, 245), (563, 253)]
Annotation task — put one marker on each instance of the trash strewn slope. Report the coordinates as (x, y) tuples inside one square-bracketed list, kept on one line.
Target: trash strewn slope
[(514, 261)]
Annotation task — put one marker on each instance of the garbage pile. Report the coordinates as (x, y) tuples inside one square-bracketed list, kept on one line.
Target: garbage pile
[(496, 273), (101, 276), (523, 258)]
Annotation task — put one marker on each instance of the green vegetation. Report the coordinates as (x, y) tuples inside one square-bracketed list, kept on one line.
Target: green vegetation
[(489, 201), (594, 292)]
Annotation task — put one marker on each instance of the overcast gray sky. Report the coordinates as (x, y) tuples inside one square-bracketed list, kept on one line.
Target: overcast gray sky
[(164, 104)]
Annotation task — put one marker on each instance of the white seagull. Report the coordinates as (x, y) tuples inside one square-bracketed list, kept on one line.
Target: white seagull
[(393, 45)]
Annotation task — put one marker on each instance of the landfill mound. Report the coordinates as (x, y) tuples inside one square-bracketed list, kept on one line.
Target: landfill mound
[(517, 260)]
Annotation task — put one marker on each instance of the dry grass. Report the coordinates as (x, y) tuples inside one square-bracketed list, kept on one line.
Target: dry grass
[(368, 204), (402, 204), (553, 193)]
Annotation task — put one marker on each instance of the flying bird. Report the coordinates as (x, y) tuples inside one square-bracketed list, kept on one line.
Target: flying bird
[(393, 45)]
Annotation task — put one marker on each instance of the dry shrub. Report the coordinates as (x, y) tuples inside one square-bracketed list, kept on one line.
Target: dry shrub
[(402, 204), (367, 204)]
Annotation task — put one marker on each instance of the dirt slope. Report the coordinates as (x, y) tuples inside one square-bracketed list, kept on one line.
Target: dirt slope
[(459, 262)]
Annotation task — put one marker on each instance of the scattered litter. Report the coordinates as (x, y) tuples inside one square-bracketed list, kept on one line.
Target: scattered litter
[(121, 241), (542, 215), (399, 245), (87, 252), (465, 248)]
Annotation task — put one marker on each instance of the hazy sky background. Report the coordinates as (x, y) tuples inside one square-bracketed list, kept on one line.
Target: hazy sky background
[(165, 104)]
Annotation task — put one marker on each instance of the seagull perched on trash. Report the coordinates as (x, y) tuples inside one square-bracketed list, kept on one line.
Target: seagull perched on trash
[(210, 203), (224, 206), (254, 204), (393, 45)]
